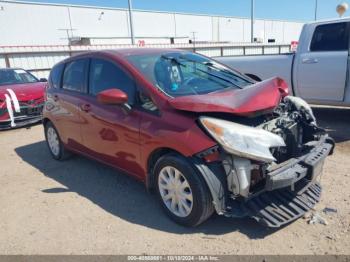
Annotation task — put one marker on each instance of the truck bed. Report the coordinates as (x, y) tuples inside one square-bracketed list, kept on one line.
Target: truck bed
[(262, 66)]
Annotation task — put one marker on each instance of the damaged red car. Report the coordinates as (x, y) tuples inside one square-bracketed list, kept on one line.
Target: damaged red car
[(204, 137), (21, 98)]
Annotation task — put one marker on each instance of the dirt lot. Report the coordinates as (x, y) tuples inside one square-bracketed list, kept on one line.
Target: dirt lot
[(82, 207)]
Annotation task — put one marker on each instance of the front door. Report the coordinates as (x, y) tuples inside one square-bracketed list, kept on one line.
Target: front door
[(322, 70), (110, 133)]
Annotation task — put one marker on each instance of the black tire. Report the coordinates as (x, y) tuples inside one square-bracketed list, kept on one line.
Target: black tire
[(62, 153), (202, 207)]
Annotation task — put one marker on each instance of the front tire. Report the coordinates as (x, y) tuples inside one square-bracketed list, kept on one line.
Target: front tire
[(54, 143), (182, 191)]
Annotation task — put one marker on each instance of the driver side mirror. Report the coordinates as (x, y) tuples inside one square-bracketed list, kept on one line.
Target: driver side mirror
[(112, 96), (42, 80)]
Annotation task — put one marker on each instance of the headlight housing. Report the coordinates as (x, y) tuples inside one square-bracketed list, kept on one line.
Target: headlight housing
[(244, 141)]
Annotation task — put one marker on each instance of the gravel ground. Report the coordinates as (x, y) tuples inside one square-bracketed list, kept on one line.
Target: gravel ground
[(82, 207)]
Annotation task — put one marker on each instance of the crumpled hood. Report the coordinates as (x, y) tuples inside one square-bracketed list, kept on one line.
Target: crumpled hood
[(24, 92), (251, 100)]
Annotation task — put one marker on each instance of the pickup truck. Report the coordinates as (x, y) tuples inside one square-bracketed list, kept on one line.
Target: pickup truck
[(318, 71)]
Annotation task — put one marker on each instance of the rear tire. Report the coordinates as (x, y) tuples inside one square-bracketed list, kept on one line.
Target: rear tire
[(54, 143), (182, 191)]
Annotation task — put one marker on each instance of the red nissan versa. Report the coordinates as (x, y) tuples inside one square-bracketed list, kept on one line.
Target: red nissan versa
[(204, 136), (21, 98)]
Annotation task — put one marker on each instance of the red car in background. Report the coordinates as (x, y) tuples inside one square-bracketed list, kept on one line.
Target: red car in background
[(204, 136), (21, 98)]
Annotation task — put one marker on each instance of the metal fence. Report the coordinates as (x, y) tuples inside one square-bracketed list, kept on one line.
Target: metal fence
[(40, 59)]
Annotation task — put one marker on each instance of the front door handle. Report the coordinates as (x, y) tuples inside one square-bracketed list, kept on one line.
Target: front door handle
[(310, 61), (85, 107)]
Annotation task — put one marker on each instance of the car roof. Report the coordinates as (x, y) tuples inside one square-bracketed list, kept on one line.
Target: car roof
[(124, 52), (141, 51)]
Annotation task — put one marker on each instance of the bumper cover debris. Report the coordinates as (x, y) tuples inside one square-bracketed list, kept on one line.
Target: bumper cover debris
[(279, 207)]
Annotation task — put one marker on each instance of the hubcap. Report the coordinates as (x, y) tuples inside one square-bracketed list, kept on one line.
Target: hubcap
[(175, 191), (52, 140)]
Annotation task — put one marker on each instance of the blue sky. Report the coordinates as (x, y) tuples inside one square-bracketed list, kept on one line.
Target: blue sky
[(302, 10)]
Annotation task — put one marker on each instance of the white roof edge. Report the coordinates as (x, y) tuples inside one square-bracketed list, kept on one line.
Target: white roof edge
[(343, 19), (142, 10)]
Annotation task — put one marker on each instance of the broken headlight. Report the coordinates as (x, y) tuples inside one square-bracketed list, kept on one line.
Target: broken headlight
[(241, 140)]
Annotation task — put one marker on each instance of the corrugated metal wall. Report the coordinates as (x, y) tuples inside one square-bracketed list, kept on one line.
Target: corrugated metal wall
[(38, 24)]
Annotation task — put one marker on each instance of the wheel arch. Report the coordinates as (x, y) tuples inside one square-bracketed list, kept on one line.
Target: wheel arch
[(213, 176), (151, 161), (45, 121)]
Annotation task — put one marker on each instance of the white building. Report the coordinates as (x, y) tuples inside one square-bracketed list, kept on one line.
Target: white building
[(23, 23)]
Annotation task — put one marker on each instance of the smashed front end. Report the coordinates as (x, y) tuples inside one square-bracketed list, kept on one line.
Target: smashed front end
[(266, 167), (21, 113)]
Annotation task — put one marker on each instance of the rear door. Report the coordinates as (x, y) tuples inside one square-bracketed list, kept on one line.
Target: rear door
[(322, 69), (68, 99)]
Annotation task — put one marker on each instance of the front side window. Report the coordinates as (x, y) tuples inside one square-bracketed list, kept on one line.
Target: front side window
[(16, 76), (74, 75), (330, 37), (183, 73), (106, 75), (146, 103)]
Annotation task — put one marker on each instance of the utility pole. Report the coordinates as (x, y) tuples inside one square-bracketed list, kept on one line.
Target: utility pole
[(252, 20), (131, 23), (69, 36), (194, 41), (316, 7)]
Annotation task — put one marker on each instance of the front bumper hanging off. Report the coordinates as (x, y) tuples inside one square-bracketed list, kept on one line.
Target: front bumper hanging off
[(290, 191), (281, 206)]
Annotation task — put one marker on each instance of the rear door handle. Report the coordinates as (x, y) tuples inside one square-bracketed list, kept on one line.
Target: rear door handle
[(310, 61), (85, 107)]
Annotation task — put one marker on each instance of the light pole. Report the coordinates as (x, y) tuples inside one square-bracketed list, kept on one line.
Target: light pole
[(131, 23), (316, 6), (252, 20)]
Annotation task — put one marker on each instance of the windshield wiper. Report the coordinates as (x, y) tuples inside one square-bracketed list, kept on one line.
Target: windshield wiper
[(220, 77), (176, 60), (211, 65), (238, 75), (173, 59)]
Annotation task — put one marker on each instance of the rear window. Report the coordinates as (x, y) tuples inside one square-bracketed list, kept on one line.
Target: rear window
[(330, 37), (56, 76), (75, 75)]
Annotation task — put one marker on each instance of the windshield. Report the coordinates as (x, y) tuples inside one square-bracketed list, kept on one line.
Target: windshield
[(183, 73), (16, 76)]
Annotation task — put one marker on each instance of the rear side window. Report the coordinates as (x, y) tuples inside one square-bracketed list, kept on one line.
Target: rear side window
[(330, 37), (106, 75), (74, 75), (56, 76)]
